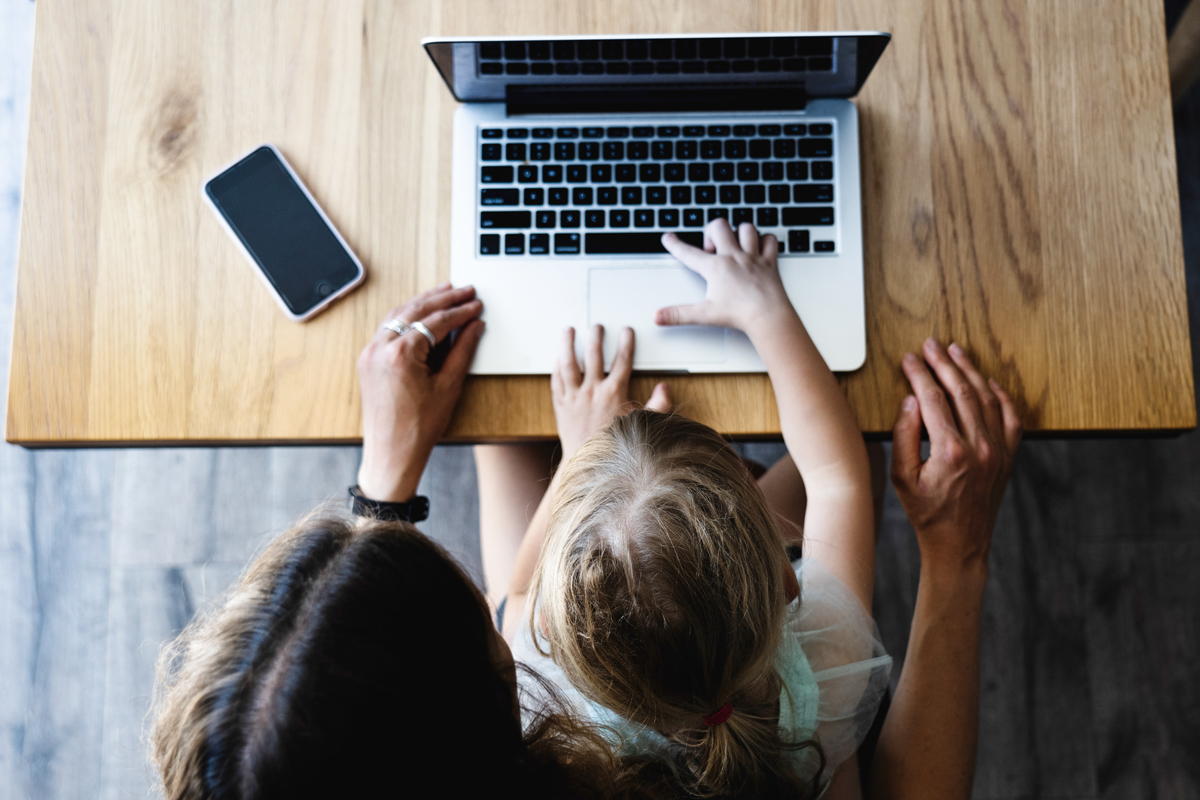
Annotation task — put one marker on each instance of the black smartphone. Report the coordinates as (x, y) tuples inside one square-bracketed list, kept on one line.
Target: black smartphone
[(282, 232)]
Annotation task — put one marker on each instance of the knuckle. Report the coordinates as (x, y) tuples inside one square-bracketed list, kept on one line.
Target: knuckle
[(954, 454), (964, 391), (932, 395)]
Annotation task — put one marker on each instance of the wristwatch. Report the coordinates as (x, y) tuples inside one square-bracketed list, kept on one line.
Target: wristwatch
[(414, 510)]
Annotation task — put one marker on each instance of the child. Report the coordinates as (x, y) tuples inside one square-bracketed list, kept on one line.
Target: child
[(663, 590)]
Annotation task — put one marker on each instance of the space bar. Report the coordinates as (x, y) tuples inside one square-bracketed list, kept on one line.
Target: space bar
[(639, 242)]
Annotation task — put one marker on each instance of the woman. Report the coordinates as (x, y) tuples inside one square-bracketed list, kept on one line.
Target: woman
[(355, 656)]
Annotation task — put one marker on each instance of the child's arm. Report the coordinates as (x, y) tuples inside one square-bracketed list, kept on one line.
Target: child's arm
[(746, 292), (585, 402)]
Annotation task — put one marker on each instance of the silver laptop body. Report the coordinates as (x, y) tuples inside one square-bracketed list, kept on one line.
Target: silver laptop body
[(572, 155)]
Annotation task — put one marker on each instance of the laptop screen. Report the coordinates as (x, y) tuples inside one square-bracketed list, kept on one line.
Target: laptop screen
[(811, 64)]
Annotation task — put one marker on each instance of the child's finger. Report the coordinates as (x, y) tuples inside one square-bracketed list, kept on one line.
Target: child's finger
[(770, 246), (568, 366), (721, 235), (748, 236), (593, 357), (660, 399), (693, 258), (906, 443), (695, 314), (622, 364)]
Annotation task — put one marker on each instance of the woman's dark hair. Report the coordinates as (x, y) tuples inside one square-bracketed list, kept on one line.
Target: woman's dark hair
[(356, 657)]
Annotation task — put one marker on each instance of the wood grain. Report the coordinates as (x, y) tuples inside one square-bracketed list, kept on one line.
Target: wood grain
[(1019, 197)]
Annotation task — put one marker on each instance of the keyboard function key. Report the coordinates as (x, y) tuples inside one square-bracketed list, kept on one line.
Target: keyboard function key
[(496, 175), (643, 132), (593, 133), (543, 133), (489, 244), (518, 133), (499, 197), (514, 244), (815, 148), (718, 130), (797, 241), (505, 219), (539, 244), (693, 130), (492, 133), (618, 133), (823, 247), (807, 216), (743, 130), (769, 130), (820, 129), (668, 131), (795, 129), (566, 244)]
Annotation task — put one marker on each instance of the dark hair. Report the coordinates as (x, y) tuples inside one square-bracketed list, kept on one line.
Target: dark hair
[(354, 657)]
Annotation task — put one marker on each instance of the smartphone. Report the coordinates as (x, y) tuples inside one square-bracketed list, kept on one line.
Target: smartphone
[(282, 232)]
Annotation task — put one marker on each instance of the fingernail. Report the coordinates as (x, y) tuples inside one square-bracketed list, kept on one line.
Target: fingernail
[(954, 348), (909, 358), (931, 343), (445, 285), (909, 404), (993, 384)]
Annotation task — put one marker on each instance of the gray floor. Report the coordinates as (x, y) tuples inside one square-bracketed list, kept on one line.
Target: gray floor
[(1091, 628)]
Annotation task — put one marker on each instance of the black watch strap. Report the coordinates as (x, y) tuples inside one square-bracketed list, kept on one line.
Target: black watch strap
[(414, 510)]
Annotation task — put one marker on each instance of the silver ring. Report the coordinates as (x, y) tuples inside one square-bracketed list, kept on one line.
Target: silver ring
[(397, 326), (420, 326)]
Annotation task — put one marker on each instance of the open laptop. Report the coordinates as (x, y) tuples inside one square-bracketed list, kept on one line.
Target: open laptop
[(572, 155)]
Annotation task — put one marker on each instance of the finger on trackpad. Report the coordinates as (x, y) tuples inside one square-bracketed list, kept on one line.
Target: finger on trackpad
[(619, 298)]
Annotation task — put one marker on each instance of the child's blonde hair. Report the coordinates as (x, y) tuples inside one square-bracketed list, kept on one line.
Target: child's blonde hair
[(661, 590)]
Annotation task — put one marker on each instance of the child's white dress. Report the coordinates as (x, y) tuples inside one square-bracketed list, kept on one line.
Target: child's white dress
[(831, 661)]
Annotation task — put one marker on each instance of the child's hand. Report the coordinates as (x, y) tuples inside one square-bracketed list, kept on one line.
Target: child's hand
[(586, 402), (744, 288)]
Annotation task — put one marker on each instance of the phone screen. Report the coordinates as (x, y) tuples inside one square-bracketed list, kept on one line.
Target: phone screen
[(282, 230)]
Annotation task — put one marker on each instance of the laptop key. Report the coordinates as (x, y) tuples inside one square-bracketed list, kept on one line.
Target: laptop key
[(814, 193), (566, 244), (613, 151), (681, 195), (638, 151), (650, 173), (760, 148), (514, 244), (618, 133), (542, 133), (722, 171), (643, 218), (643, 132), (693, 218), (527, 173), (514, 151), (594, 218), (797, 170), (606, 195), (731, 194), (635, 242), (504, 219), (718, 130), (668, 218), (662, 151), (741, 215), (618, 218), (779, 193), (820, 129), (706, 195), (693, 130), (714, 213), (685, 150), (797, 241), (569, 219), (576, 173), (823, 247), (499, 197), (768, 217), (815, 148), (631, 196), (539, 151), (535, 197), (568, 133), (491, 152), (772, 171), (558, 196), (546, 219), (673, 172), (710, 149), (697, 172), (807, 215), (489, 244), (756, 193), (656, 195), (821, 170), (669, 131), (785, 148), (743, 130), (589, 151), (539, 244), (747, 171), (493, 133), (795, 130), (735, 148), (564, 151), (626, 173), (518, 133), (582, 196), (593, 133), (601, 173)]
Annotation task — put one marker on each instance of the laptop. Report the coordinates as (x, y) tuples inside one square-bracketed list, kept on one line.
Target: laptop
[(572, 156)]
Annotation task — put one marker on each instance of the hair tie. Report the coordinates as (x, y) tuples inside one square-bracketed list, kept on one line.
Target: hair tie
[(720, 715)]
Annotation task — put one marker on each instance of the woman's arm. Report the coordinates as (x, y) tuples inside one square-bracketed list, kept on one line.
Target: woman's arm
[(406, 405), (927, 747), (745, 292)]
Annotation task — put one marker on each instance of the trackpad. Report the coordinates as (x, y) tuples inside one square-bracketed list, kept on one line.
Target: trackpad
[(619, 298)]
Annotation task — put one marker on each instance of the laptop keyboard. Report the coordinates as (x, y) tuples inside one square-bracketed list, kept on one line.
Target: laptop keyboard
[(580, 191)]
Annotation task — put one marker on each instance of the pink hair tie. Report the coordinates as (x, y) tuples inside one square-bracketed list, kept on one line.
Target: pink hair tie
[(720, 715)]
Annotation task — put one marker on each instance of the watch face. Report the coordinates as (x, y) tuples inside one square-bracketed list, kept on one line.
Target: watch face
[(414, 510)]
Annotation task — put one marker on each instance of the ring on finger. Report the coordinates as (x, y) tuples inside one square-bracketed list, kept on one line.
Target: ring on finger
[(397, 326), (428, 334)]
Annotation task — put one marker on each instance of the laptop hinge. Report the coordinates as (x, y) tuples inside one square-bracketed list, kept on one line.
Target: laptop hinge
[(576, 99)]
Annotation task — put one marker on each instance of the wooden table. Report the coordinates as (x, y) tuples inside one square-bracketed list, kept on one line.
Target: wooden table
[(1019, 197)]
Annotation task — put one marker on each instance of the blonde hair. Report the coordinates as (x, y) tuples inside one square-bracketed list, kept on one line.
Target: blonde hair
[(661, 591), (354, 655)]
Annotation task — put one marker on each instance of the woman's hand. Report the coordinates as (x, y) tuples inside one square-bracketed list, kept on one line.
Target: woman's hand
[(586, 402), (406, 405), (953, 497), (744, 287)]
